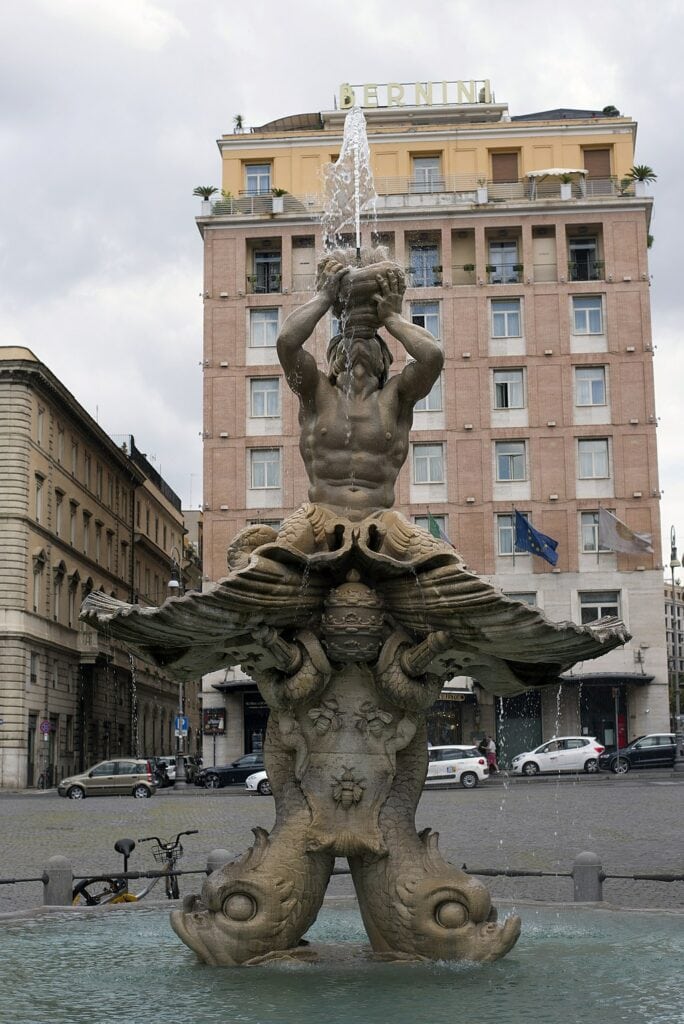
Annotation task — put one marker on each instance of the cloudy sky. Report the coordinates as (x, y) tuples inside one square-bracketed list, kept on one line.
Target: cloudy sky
[(109, 112)]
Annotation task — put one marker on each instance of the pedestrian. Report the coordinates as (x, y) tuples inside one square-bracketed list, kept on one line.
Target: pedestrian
[(491, 755), (482, 746)]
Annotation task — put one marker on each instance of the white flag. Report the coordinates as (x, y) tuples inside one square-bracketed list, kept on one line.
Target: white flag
[(616, 535)]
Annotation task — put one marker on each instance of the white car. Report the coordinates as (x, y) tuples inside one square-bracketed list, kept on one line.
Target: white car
[(258, 783), (456, 764), (560, 754)]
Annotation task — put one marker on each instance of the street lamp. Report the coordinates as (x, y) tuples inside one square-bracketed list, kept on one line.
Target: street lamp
[(675, 564), (175, 587)]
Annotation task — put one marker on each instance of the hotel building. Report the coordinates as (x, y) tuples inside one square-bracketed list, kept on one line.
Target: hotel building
[(525, 245)]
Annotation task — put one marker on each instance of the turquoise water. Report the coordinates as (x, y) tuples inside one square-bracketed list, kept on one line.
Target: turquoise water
[(126, 965)]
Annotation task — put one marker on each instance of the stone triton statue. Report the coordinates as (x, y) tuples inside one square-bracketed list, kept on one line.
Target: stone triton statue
[(350, 619)]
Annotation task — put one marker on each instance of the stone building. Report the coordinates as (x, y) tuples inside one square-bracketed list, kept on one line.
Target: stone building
[(525, 244), (79, 511)]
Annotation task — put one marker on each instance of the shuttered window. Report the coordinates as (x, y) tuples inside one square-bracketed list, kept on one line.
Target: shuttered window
[(597, 163), (504, 167)]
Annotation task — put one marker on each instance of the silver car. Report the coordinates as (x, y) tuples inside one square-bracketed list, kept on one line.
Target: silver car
[(127, 776)]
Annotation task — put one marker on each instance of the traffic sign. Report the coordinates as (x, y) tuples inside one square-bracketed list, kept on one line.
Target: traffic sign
[(181, 726), (45, 726)]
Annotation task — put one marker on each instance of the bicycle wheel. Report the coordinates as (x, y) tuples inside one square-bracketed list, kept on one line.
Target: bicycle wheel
[(91, 893)]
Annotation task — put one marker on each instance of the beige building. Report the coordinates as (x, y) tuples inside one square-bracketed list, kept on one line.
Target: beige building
[(78, 512), (525, 245)]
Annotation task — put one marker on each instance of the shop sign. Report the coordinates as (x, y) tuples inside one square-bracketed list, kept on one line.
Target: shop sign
[(416, 94)]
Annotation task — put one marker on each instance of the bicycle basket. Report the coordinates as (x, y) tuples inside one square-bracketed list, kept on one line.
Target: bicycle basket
[(159, 854)]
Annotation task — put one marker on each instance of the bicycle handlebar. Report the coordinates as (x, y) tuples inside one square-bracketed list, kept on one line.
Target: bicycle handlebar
[(172, 845)]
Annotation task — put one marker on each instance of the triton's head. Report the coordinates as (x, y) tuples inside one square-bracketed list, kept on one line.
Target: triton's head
[(344, 353)]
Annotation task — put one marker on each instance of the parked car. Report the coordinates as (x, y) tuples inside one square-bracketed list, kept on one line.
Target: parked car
[(258, 783), (464, 764), (656, 750), (216, 776), (560, 754), (127, 776)]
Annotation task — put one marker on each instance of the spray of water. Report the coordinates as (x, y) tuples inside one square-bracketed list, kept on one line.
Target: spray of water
[(349, 188)]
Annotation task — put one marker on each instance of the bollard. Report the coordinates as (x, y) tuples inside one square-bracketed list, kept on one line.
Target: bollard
[(217, 858), (57, 890), (587, 876)]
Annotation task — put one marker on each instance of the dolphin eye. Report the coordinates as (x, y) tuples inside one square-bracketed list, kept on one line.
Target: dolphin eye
[(451, 914)]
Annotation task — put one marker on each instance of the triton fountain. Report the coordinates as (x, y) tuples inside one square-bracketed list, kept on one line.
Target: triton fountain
[(350, 619)]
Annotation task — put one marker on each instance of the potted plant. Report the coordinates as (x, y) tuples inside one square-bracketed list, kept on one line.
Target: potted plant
[(238, 124), (205, 192), (641, 175), (491, 269), (518, 267), (482, 194), (469, 268), (277, 202), (566, 186)]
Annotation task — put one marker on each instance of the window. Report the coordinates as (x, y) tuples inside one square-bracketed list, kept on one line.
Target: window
[(156, 529), (426, 174), (110, 549), (267, 269), (508, 389), (505, 532), (584, 264), (165, 538), (56, 595), (425, 521), (74, 458), (433, 401), (587, 314), (86, 470), (72, 523), (110, 490), (275, 524), (594, 604), (59, 504), (71, 613), (503, 259), (37, 583), (39, 498), (263, 328), (424, 269), (257, 179), (60, 444), (504, 167), (590, 385), (264, 396), (264, 464), (524, 596), (510, 460), (86, 532), (33, 669), (426, 314), (506, 318), (98, 480), (98, 541), (40, 425), (428, 463), (590, 539), (593, 459)]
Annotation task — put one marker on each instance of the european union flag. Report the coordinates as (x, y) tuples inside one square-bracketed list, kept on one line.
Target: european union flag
[(529, 539)]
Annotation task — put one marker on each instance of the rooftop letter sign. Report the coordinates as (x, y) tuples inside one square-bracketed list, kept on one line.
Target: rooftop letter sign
[(415, 94)]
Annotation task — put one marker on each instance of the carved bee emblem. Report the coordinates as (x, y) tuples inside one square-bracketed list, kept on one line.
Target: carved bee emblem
[(370, 719), (347, 790), (328, 716)]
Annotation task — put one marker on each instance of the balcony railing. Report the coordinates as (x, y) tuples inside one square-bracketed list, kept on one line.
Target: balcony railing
[(423, 277), (264, 284), (455, 190), (586, 270)]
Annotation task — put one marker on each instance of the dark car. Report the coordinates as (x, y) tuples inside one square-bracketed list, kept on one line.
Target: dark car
[(656, 750), (229, 774)]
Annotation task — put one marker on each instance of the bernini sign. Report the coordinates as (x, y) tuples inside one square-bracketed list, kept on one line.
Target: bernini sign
[(415, 94)]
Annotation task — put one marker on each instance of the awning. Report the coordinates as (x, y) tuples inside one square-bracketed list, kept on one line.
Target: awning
[(556, 172), (607, 678)]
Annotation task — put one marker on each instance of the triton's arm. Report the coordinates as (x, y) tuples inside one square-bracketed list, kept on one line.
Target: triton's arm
[(417, 378), (299, 365)]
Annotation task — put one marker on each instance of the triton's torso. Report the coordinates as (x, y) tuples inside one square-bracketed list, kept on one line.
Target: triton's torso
[(354, 446)]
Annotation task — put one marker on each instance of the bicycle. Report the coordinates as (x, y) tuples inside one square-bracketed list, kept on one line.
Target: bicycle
[(100, 889)]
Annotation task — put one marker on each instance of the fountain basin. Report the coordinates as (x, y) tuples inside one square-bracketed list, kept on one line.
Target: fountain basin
[(124, 963)]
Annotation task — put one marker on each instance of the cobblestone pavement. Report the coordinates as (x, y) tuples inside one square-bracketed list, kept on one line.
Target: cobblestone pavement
[(633, 823)]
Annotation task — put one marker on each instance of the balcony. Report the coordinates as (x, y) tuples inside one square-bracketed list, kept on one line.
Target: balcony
[(450, 191), (586, 270)]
